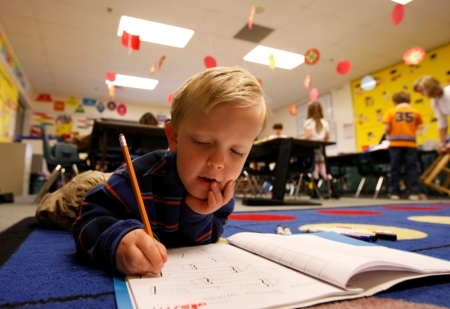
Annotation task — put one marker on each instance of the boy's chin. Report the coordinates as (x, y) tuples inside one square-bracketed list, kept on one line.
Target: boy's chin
[(203, 196)]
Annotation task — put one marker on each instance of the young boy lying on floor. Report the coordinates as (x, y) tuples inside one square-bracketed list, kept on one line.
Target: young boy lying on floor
[(188, 189)]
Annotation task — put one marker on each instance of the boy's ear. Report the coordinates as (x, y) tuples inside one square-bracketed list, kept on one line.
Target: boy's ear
[(172, 137)]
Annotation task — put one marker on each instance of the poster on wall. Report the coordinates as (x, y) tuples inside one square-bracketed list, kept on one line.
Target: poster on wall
[(370, 105), (9, 95), (12, 63)]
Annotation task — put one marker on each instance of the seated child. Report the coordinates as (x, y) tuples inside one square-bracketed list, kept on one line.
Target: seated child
[(188, 189)]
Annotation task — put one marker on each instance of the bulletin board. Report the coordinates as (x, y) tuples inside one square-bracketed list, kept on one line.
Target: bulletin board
[(9, 95), (370, 106)]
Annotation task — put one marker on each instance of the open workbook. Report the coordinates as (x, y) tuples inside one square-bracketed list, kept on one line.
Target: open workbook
[(277, 271)]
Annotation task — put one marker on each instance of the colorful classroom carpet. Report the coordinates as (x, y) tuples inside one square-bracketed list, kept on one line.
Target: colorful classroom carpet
[(39, 267)]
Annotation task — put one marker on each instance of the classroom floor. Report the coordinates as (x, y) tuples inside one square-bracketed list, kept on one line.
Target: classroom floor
[(23, 206)]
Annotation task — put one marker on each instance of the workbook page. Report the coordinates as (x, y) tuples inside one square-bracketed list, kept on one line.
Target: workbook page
[(334, 261), (224, 276)]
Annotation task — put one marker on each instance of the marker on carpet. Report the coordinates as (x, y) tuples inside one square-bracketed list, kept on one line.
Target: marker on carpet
[(342, 231), (287, 230), (280, 230), (381, 234)]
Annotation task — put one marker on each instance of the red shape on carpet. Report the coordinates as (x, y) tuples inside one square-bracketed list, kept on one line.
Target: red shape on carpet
[(411, 208), (261, 217), (346, 212)]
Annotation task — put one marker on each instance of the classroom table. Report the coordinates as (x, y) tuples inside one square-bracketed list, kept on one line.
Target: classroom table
[(280, 150), (105, 137), (380, 157)]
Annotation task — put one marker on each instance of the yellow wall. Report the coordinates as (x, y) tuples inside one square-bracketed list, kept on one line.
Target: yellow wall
[(370, 106), (8, 105)]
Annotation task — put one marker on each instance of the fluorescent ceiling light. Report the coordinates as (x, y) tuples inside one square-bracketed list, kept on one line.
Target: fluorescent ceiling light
[(283, 59), (134, 82), (402, 1), (149, 31)]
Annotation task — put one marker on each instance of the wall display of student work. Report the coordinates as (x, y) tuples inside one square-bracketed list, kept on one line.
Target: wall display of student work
[(60, 124), (371, 105), (9, 95)]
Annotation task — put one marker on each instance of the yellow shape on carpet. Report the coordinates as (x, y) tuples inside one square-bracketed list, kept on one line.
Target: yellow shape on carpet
[(431, 219), (402, 233)]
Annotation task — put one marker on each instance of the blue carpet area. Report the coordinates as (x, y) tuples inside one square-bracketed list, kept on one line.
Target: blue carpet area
[(44, 271)]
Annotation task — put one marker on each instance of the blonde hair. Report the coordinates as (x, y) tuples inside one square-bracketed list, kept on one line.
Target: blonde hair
[(315, 112), (430, 86), (217, 85), (401, 97)]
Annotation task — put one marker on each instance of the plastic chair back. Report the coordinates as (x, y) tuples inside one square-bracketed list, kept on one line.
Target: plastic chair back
[(365, 165), (305, 161), (64, 154)]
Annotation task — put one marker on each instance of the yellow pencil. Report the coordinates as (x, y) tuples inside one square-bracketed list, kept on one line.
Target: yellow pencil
[(137, 191)]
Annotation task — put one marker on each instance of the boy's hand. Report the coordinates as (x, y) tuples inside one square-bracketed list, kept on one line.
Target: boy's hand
[(139, 254), (216, 199)]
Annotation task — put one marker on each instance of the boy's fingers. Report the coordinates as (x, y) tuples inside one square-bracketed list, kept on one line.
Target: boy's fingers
[(162, 250), (228, 192), (134, 262), (152, 253)]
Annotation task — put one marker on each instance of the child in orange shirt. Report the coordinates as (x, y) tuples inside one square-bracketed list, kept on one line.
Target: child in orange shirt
[(401, 123)]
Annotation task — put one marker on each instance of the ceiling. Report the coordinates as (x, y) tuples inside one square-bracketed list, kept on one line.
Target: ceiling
[(65, 47)]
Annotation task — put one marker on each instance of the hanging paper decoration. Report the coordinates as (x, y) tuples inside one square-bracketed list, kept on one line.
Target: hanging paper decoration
[(397, 14), (44, 98), (307, 82), (153, 68), (312, 56), (111, 89), (161, 61), (210, 62), (100, 107), (293, 110), (111, 76), (368, 82), (169, 98), (314, 94), (343, 67), (259, 81), (250, 17), (121, 109), (130, 41), (272, 62), (414, 56), (111, 105)]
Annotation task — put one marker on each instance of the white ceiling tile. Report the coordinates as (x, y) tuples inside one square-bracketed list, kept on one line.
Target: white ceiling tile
[(323, 27), (26, 43), (358, 12), (18, 25), (214, 21), (60, 13), (22, 8)]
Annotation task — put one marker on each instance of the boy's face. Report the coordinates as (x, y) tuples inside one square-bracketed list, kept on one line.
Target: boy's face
[(212, 147)]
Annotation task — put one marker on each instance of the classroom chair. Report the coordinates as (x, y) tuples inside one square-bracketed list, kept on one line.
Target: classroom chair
[(303, 165), (64, 156), (368, 169), (439, 166)]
